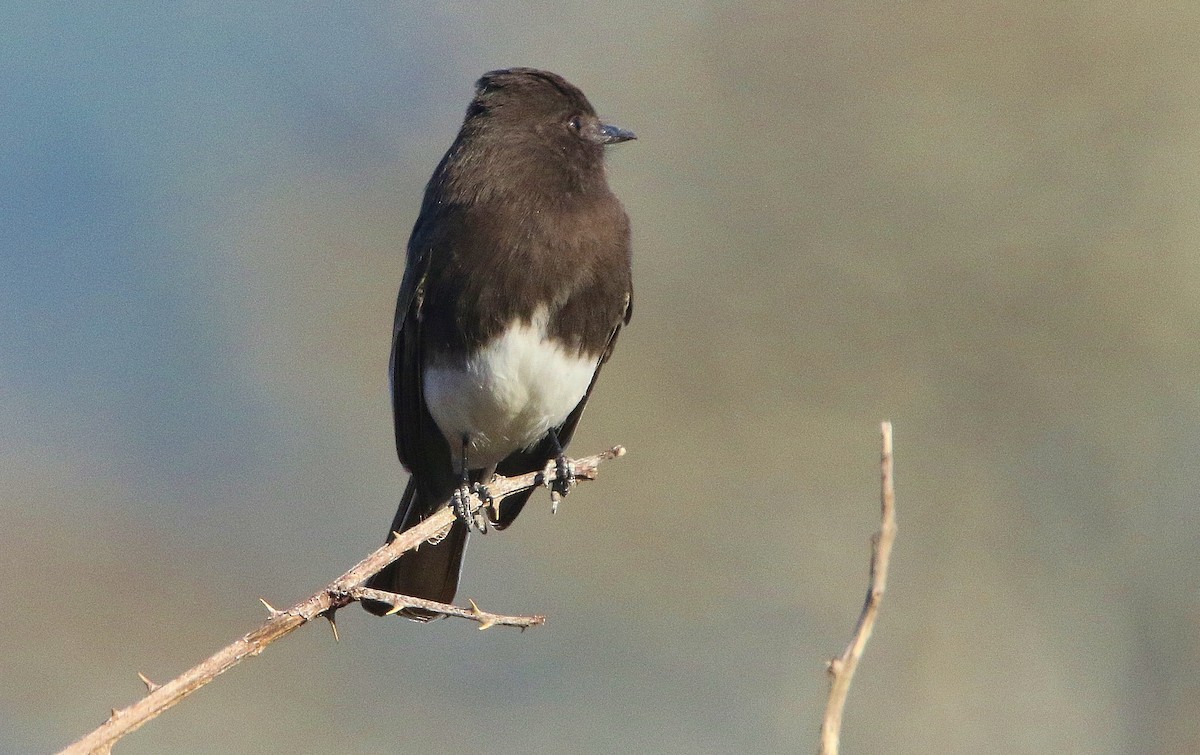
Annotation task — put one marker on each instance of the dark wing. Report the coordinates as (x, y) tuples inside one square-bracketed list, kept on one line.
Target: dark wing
[(419, 443), (432, 571), (535, 458)]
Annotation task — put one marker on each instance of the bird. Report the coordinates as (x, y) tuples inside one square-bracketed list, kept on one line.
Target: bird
[(517, 282)]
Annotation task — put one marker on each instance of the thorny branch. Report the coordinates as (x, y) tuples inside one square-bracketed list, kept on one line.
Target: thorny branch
[(341, 592)]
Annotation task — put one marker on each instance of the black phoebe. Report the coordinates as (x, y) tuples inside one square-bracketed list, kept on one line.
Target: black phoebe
[(517, 283)]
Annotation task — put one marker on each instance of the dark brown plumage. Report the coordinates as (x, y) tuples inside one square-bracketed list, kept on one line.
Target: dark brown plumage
[(517, 283)]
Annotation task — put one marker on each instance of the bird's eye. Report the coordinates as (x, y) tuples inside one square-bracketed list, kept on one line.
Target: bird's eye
[(575, 123)]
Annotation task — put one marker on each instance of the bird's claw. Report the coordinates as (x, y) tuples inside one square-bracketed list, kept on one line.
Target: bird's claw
[(564, 480), (460, 501), (488, 503)]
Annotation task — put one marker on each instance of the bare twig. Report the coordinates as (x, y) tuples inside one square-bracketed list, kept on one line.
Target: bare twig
[(841, 669), (341, 592), (486, 619)]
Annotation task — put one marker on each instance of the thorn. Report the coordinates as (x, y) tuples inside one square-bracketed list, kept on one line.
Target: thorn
[(272, 610), (113, 716), (485, 619), (555, 498), (394, 610), (333, 626), (150, 686)]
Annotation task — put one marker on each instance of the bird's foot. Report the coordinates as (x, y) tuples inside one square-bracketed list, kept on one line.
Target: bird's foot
[(460, 501), (488, 503), (564, 480)]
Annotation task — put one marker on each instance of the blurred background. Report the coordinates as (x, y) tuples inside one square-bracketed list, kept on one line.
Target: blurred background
[(976, 219)]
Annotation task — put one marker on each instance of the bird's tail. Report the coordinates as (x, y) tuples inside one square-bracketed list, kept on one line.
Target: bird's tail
[(431, 571)]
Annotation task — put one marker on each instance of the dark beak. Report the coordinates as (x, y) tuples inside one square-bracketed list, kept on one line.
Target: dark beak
[(614, 134)]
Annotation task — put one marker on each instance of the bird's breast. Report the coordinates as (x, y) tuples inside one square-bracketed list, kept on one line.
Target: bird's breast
[(508, 393)]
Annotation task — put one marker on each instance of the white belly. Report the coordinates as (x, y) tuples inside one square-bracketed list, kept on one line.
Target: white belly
[(508, 395)]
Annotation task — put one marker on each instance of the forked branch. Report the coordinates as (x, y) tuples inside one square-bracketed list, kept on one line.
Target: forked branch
[(341, 592)]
